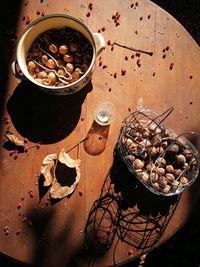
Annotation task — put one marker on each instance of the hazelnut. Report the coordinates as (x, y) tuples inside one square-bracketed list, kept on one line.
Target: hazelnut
[(163, 180), (31, 66), (69, 67), (164, 144), (170, 177), (177, 172), (161, 162), (173, 149), (169, 168), (131, 158), (138, 164), (145, 143), (160, 171), (145, 176), (68, 58), (44, 59), (53, 48), (42, 74), (152, 151), (166, 189), (145, 134), (181, 159), (52, 77), (184, 180), (156, 185), (152, 126), (149, 166), (187, 153), (154, 176), (63, 50), (50, 63), (175, 184)]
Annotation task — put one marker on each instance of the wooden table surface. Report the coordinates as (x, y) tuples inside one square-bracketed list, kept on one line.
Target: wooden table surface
[(54, 233)]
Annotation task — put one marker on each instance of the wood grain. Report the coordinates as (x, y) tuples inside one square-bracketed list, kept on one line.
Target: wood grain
[(56, 237)]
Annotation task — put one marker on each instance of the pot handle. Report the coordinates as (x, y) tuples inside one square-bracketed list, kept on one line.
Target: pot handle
[(100, 42), (16, 72)]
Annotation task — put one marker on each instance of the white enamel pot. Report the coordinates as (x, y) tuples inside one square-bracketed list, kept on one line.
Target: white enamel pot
[(43, 24)]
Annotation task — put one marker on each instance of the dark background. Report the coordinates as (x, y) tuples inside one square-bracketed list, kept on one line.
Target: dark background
[(183, 248)]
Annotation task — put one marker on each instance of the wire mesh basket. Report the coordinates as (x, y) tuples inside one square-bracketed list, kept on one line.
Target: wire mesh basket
[(165, 162)]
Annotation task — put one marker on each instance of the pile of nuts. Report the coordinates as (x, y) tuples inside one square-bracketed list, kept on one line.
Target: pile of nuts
[(162, 161), (58, 57)]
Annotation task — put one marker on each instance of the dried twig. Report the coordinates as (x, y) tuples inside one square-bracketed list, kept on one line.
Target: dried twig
[(134, 49)]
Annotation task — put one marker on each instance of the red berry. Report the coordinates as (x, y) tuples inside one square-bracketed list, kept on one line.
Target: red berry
[(104, 66), (132, 56), (109, 42), (18, 231), (117, 23), (141, 18), (24, 219), (112, 47), (132, 5), (149, 16), (109, 89), (19, 205), (136, 3), (167, 48), (38, 12), (164, 56), (114, 228), (29, 223), (126, 58), (100, 63), (43, 13), (108, 231), (123, 72), (88, 14), (80, 192), (171, 65), (103, 29), (191, 77), (82, 119), (38, 146), (115, 75), (157, 229), (130, 252), (25, 149)]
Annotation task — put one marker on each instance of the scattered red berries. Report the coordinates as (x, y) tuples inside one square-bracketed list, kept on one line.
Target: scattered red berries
[(116, 17)]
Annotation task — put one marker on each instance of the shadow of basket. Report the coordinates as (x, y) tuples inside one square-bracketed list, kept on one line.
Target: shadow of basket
[(126, 211)]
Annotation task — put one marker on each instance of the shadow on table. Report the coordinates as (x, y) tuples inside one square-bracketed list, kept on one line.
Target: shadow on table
[(128, 210), (43, 117)]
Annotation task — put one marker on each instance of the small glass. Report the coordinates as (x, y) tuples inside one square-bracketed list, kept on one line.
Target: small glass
[(104, 113)]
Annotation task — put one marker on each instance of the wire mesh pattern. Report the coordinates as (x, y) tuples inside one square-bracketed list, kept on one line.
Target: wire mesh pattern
[(122, 212), (165, 162)]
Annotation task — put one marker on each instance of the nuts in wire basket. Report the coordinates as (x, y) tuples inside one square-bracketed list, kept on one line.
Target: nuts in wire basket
[(165, 162)]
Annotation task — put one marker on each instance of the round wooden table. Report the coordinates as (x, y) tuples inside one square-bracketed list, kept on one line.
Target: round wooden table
[(93, 227)]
